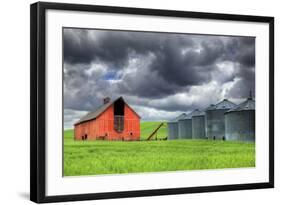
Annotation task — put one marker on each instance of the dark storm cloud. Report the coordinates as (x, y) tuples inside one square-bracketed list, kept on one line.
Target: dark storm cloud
[(166, 72), (190, 68), (116, 48), (241, 50), (113, 47)]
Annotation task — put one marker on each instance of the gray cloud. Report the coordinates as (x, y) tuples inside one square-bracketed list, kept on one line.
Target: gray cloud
[(71, 116), (169, 73)]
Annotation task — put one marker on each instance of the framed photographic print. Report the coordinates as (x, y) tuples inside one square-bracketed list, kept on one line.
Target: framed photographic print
[(129, 102)]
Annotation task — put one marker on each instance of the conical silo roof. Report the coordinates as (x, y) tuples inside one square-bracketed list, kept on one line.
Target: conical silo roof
[(181, 116), (224, 104), (210, 107), (249, 104), (191, 114), (198, 113)]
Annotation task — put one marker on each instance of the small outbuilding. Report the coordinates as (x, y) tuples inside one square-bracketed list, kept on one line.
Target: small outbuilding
[(114, 120), (240, 122)]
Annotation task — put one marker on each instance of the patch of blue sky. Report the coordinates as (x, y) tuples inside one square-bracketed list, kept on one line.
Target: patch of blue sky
[(111, 75)]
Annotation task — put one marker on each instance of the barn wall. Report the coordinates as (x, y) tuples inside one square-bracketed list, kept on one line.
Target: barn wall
[(82, 129), (103, 126)]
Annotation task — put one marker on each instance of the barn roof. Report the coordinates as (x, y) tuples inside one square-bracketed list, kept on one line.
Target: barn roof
[(94, 114)]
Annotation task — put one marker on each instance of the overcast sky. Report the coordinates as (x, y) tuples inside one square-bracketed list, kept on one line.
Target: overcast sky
[(160, 75)]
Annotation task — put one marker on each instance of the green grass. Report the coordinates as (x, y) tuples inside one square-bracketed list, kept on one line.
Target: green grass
[(148, 127), (114, 157)]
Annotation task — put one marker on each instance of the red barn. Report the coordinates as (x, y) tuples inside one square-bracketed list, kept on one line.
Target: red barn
[(112, 121)]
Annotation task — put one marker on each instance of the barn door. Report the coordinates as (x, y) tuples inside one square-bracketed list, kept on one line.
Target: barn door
[(119, 107), (119, 123)]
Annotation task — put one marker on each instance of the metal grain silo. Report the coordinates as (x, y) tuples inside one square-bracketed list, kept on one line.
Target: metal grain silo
[(198, 125), (215, 122), (185, 126), (240, 122), (173, 127)]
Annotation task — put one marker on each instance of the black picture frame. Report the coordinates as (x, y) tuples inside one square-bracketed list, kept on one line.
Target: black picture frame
[(38, 100)]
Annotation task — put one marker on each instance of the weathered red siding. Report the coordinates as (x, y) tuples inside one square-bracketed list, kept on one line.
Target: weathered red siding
[(103, 126)]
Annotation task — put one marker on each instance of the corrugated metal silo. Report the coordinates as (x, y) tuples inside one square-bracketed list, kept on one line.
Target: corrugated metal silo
[(240, 122), (215, 122), (185, 126), (198, 125), (173, 127)]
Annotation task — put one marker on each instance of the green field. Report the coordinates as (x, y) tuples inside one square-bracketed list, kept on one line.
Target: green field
[(112, 157), (148, 127)]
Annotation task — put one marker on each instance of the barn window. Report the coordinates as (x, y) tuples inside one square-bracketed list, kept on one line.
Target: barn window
[(119, 107)]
